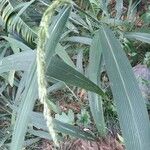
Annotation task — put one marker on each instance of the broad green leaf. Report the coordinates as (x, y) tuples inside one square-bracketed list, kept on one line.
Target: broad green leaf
[(95, 100), (55, 87), (114, 22), (63, 72), (146, 16), (131, 108), (21, 87), (53, 106), (72, 131), (103, 6), (144, 37), (71, 27), (19, 95)]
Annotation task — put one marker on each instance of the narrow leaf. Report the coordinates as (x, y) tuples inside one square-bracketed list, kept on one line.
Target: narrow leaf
[(79, 39), (144, 37), (95, 100)]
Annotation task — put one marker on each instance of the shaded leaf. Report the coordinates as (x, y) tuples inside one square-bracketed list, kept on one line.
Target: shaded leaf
[(95, 100)]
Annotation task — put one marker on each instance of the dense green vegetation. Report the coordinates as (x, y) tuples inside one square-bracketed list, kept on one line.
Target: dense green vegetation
[(66, 72)]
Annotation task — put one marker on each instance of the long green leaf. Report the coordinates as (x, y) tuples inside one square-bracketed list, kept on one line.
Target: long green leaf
[(95, 100), (25, 108), (61, 71), (79, 39), (131, 107), (144, 37)]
